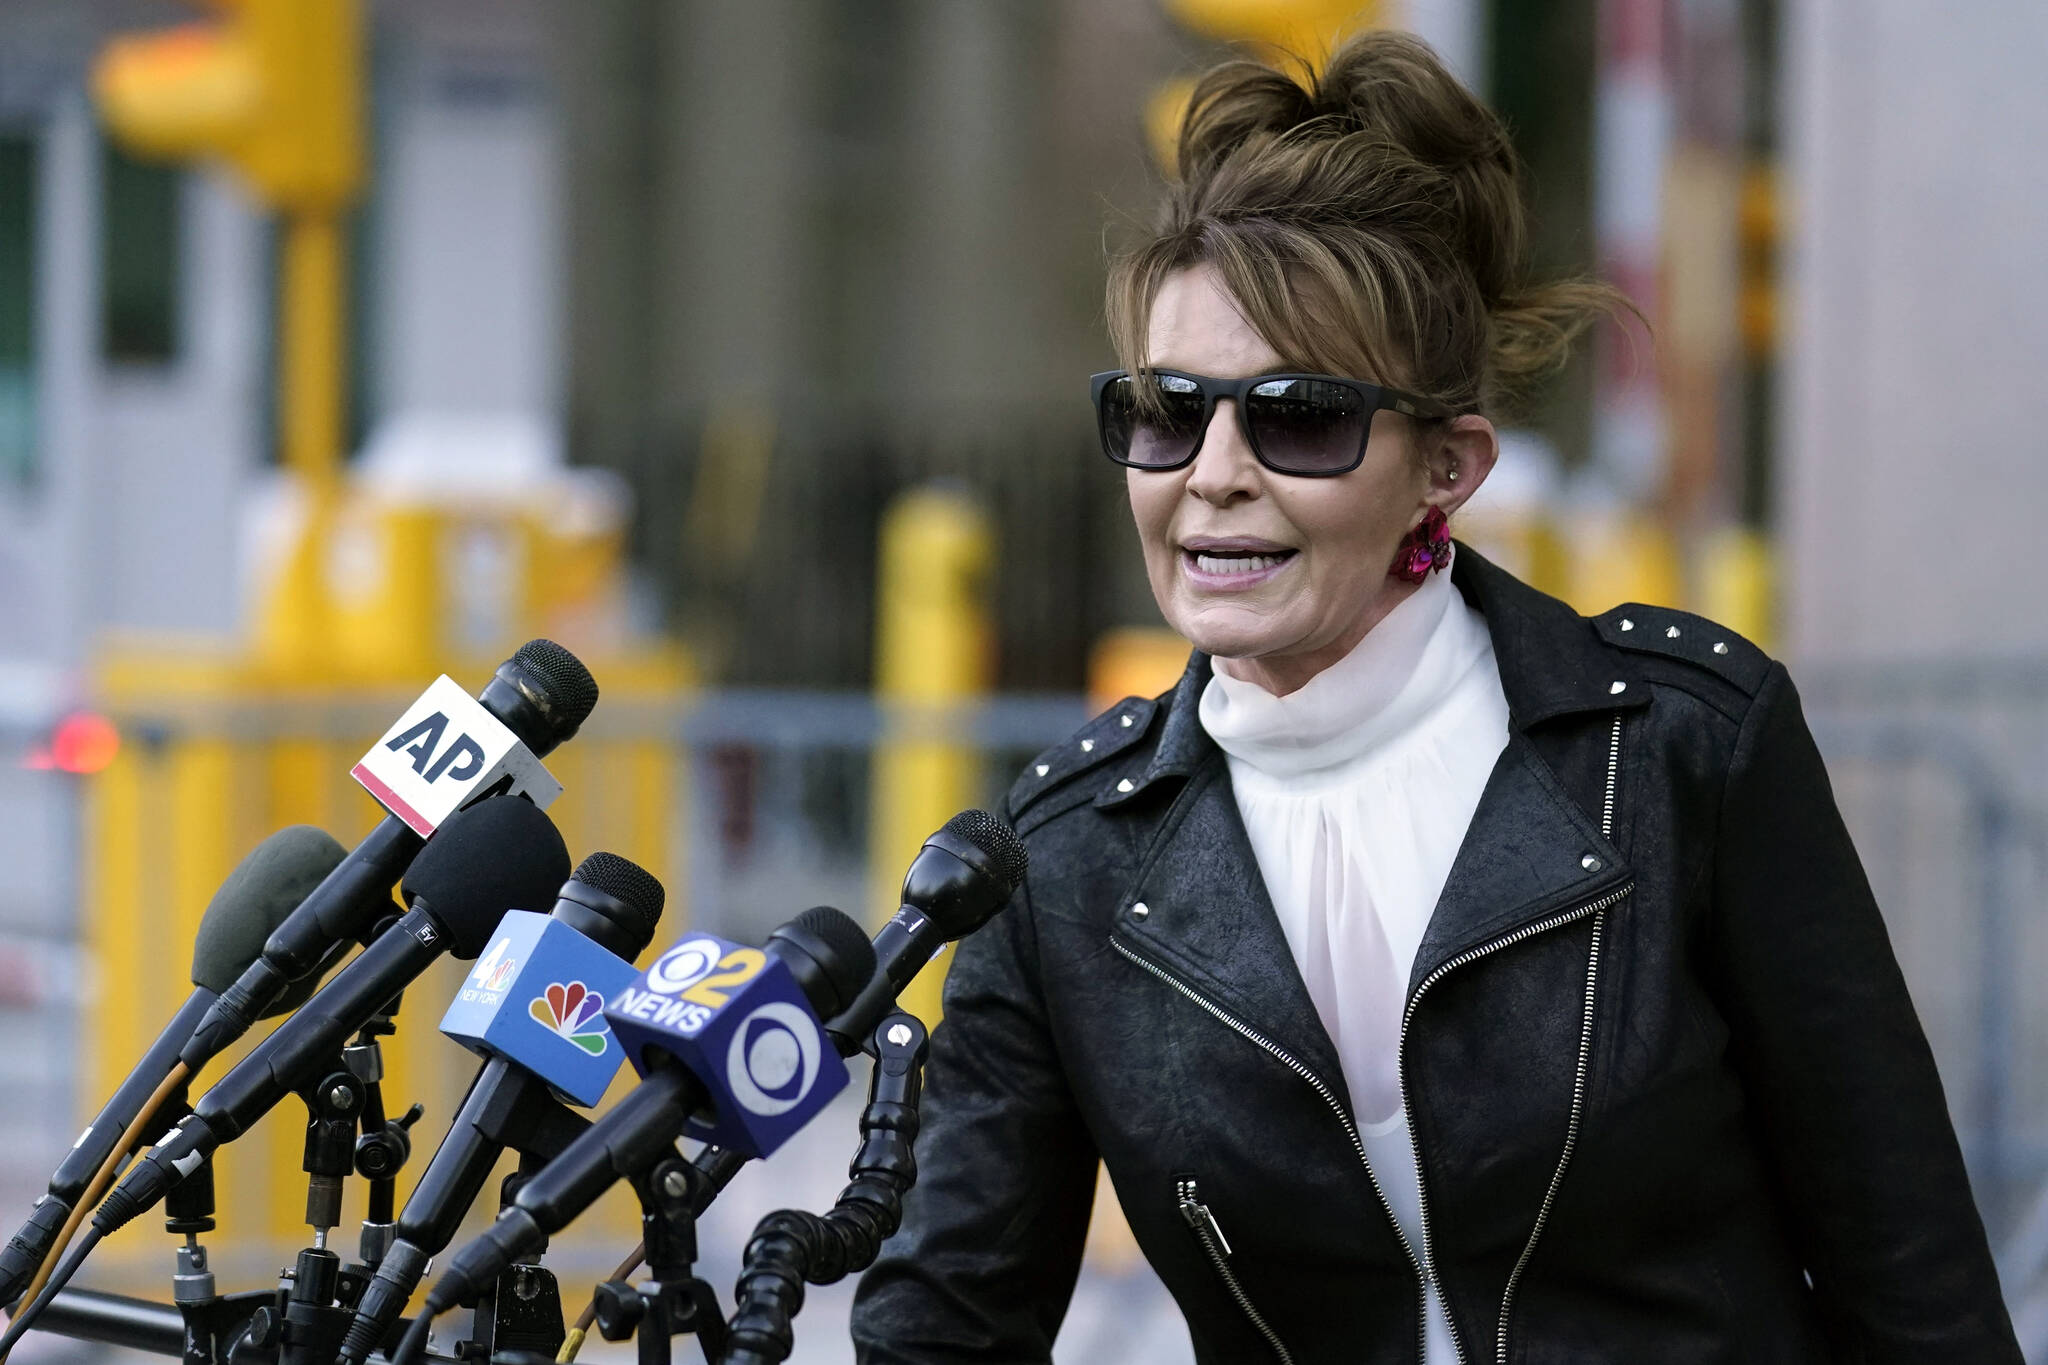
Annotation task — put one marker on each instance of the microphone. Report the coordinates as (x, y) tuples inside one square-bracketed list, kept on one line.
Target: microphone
[(256, 897), (426, 771), (493, 855), (962, 876), (533, 1008), (711, 1026)]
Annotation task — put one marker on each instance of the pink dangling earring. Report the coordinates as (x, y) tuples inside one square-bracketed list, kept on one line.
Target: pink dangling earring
[(1425, 549)]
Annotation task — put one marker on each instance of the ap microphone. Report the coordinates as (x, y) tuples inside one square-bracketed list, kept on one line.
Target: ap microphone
[(447, 752), (493, 855), (533, 1006), (720, 1032), (962, 876), (257, 896)]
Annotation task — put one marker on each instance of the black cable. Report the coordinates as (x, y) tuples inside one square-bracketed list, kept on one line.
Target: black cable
[(414, 1344), (69, 1267)]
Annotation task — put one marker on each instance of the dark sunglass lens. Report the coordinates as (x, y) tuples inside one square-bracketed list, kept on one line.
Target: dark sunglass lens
[(1307, 426), (1157, 432)]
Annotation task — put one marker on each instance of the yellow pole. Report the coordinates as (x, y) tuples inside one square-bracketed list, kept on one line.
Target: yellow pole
[(297, 633), (311, 360), (933, 652)]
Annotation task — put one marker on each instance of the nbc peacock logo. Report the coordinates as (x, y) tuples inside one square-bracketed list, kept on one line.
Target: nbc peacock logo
[(571, 1010)]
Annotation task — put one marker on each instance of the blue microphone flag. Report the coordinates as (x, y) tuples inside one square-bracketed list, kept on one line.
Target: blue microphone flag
[(536, 997), (737, 1018)]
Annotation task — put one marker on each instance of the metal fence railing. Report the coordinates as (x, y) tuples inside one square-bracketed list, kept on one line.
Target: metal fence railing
[(751, 805)]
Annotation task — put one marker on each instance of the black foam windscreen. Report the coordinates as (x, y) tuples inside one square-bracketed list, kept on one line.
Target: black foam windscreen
[(265, 887), (498, 855), (829, 954), (1004, 849), (572, 692), (851, 949), (630, 884)]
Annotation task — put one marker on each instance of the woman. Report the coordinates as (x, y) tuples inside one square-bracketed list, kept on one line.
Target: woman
[(1441, 976)]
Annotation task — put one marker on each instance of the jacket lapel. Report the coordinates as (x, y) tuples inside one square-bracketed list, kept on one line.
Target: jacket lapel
[(1208, 920), (1529, 852)]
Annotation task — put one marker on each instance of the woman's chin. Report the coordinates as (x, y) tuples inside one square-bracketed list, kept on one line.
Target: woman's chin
[(1232, 632)]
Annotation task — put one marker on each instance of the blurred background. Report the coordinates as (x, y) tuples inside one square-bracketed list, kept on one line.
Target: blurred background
[(741, 346)]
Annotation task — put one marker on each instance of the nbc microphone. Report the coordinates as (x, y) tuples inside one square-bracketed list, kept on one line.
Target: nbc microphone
[(532, 1006), (448, 752), (257, 896), (494, 855), (729, 1047)]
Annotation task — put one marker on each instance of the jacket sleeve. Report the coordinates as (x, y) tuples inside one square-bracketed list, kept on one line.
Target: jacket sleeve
[(992, 1234), (1849, 1106)]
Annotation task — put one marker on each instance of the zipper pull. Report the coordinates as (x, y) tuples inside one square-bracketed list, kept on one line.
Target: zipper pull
[(1198, 1215)]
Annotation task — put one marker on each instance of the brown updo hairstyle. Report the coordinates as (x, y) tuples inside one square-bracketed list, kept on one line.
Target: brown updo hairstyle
[(1368, 221)]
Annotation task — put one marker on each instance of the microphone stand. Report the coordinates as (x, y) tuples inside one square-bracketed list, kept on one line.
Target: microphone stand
[(673, 1300), (520, 1315), (346, 1133), (789, 1247)]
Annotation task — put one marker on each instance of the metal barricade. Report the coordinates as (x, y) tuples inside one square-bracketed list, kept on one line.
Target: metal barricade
[(1941, 771), (751, 805)]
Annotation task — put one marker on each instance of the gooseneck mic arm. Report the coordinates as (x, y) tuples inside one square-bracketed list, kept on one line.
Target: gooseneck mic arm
[(792, 1247)]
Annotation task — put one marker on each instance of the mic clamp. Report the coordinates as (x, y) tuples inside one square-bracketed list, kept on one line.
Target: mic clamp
[(477, 1266)]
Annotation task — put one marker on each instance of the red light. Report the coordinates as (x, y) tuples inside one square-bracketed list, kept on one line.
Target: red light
[(84, 742)]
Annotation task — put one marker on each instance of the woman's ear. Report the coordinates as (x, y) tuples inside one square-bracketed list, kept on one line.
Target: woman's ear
[(1460, 457)]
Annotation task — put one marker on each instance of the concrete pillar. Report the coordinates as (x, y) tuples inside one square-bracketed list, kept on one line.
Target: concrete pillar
[(1912, 485)]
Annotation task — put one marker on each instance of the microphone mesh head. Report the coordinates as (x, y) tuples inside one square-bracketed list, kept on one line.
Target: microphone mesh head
[(263, 889), (628, 883), (498, 855), (849, 943), (1004, 849), (571, 691)]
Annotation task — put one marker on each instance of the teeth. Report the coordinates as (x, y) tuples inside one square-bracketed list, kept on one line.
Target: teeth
[(1236, 564)]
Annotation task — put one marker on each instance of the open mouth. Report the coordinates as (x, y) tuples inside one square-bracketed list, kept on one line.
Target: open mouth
[(1234, 568)]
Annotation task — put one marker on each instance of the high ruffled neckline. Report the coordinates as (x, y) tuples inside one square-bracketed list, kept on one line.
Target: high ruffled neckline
[(1407, 664)]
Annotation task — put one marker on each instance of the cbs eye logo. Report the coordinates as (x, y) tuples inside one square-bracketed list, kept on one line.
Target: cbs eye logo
[(773, 1059), (704, 971), (681, 966)]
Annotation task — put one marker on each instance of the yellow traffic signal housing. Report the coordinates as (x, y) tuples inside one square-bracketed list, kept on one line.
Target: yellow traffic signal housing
[(1305, 28), (273, 87)]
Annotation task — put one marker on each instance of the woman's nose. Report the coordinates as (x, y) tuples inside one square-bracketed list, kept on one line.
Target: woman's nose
[(1225, 470)]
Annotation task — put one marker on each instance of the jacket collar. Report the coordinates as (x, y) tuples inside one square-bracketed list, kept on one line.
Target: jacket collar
[(1199, 909), (1552, 663)]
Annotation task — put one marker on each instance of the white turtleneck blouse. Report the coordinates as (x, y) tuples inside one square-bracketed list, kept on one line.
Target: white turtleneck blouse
[(1356, 790)]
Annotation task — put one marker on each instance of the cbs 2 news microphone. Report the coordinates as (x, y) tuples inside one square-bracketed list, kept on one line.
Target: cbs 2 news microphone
[(737, 1046)]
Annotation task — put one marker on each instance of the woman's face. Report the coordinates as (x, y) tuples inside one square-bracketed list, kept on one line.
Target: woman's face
[(1276, 575)]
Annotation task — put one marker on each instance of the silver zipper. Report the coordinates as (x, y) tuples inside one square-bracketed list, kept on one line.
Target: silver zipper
[(1288, 1060), (1471, 955), (1317, 1084), (1422, 1264), (1571, 1132), (1210, 1234)]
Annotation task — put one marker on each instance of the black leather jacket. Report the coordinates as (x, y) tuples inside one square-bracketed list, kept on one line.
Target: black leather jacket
[(1672, 1103)]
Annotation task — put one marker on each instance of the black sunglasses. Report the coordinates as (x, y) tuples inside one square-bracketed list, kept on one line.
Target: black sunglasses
[(1313, 425)]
